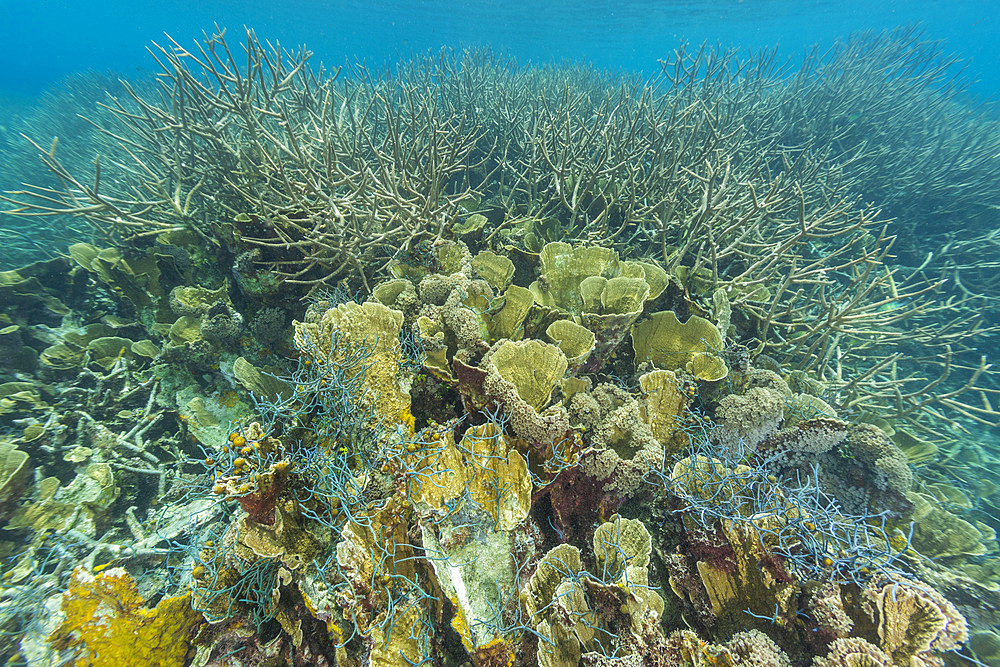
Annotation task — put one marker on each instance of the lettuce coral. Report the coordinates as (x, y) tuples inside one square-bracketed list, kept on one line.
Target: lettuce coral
[(916, 624)]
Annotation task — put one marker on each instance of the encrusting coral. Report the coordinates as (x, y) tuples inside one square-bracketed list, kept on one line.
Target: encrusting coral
[(108, 624), (853, 652)]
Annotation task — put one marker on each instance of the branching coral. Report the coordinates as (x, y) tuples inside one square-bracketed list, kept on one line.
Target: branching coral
[(767, 500)]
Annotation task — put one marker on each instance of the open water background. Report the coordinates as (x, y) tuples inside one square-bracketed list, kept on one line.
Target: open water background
[(43, 41)]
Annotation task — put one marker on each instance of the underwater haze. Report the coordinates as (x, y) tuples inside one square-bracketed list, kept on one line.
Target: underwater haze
[(500, 333), (46, 41)]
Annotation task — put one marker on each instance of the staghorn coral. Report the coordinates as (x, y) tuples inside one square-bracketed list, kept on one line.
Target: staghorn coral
[(384, 202), (342, 475)]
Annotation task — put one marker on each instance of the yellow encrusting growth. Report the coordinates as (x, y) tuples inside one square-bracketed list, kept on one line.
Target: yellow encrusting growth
[(108, 624)]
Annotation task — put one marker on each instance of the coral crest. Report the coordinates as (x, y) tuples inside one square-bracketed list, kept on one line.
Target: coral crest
[(532, 367), (669, 344), (665, 404), (600, 292), (520, 377)]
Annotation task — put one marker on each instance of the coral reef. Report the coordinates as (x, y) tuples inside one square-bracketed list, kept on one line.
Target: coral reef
[(386, 539), (328, 403)]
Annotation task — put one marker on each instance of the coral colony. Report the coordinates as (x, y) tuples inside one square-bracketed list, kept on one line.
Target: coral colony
[(471, 364)]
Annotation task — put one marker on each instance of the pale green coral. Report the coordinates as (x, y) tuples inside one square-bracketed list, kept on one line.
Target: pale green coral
[(575, 341), (495, 269), (533, 367), (14, 471), (692, 346), (507, 321)]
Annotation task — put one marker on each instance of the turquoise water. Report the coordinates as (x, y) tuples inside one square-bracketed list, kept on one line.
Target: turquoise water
[(44, 41)]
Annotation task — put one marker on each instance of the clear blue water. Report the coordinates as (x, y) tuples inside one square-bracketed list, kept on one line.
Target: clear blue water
[(43, 41)]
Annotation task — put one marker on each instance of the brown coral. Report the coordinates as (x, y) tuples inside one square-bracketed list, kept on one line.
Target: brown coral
[(814, 436), (853, 652), (870, 445), (751, 647), (915, 622)]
